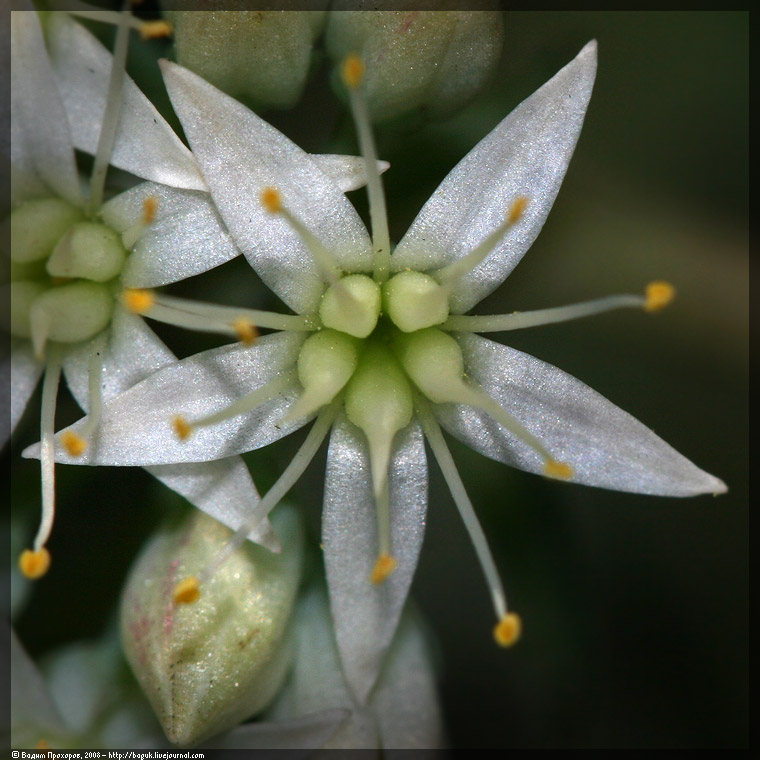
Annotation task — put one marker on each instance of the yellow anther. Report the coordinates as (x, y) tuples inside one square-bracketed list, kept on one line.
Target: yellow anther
[(150, 30), (182, 427), (352, 71), (658, 295), (42, 744), (555, 469), (74, 444), (245, 330), (187, 591), (139, 300), (517, 209), (271, 200), (34, 565), (150, 207), (507, 631), (384, 566)]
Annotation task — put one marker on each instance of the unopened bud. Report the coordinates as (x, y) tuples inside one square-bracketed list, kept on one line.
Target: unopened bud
[(431, 61), (261, 57), (209, 664)]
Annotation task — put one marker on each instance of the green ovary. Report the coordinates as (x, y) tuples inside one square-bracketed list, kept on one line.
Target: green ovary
[(63, 269)]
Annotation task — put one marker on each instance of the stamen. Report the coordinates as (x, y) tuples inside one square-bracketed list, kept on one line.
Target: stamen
[(271, 200), (352, 73), (187, 591), (207, 317), (275, 494), (139, 300), (464, 505), (384, 566), (451, 274), (111, 115), (507, 631), (250, 401), (151, 30), (34, 564), (659, 294)]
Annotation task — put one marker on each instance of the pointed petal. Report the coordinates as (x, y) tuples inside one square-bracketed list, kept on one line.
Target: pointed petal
[(526, 155), (33, 712), (303, 733), (222, 489), (136, 428), (25, 374), (347, 172), (186, 238), (604, 445), (40, 132), (405, 701), (366, 615), (240, 155), (145, 143)]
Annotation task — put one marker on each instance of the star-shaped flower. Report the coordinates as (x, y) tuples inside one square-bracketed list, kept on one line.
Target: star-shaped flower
[(384, 354), (72, 254)]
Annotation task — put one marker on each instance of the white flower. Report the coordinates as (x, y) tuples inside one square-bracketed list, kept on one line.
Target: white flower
[(394, 356)]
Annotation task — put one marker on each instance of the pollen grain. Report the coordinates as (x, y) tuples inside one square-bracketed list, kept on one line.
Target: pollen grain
[(384, 566), (352, 71), (507, 631), (74, 444), (559, 470), (187, 591), (271, 200), (246, 330), (139, 300), (658, 295), (33, 564)]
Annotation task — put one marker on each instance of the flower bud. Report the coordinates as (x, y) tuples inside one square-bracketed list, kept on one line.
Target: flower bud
[(261, 57), (431, 62), (210, 664)]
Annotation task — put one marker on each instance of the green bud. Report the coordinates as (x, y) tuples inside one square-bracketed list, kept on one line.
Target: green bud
[(431, 62), (36, 227), (23, 293), (210, 664), (71, 313), (90, 251), (352, 305), (261, 57), (414, 300)]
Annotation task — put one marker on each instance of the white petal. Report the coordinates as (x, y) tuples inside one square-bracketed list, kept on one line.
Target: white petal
[(526, 155), (604, 445), (304, 733), (33, 712), (366, 615), (405, 701), (187, 237), (41, 138), (145, 144), (222, 489), (240, 155), (25, 374), (347, 172), (136, 428)]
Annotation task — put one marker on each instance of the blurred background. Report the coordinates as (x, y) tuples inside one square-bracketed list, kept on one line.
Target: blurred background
[(635, 609)]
